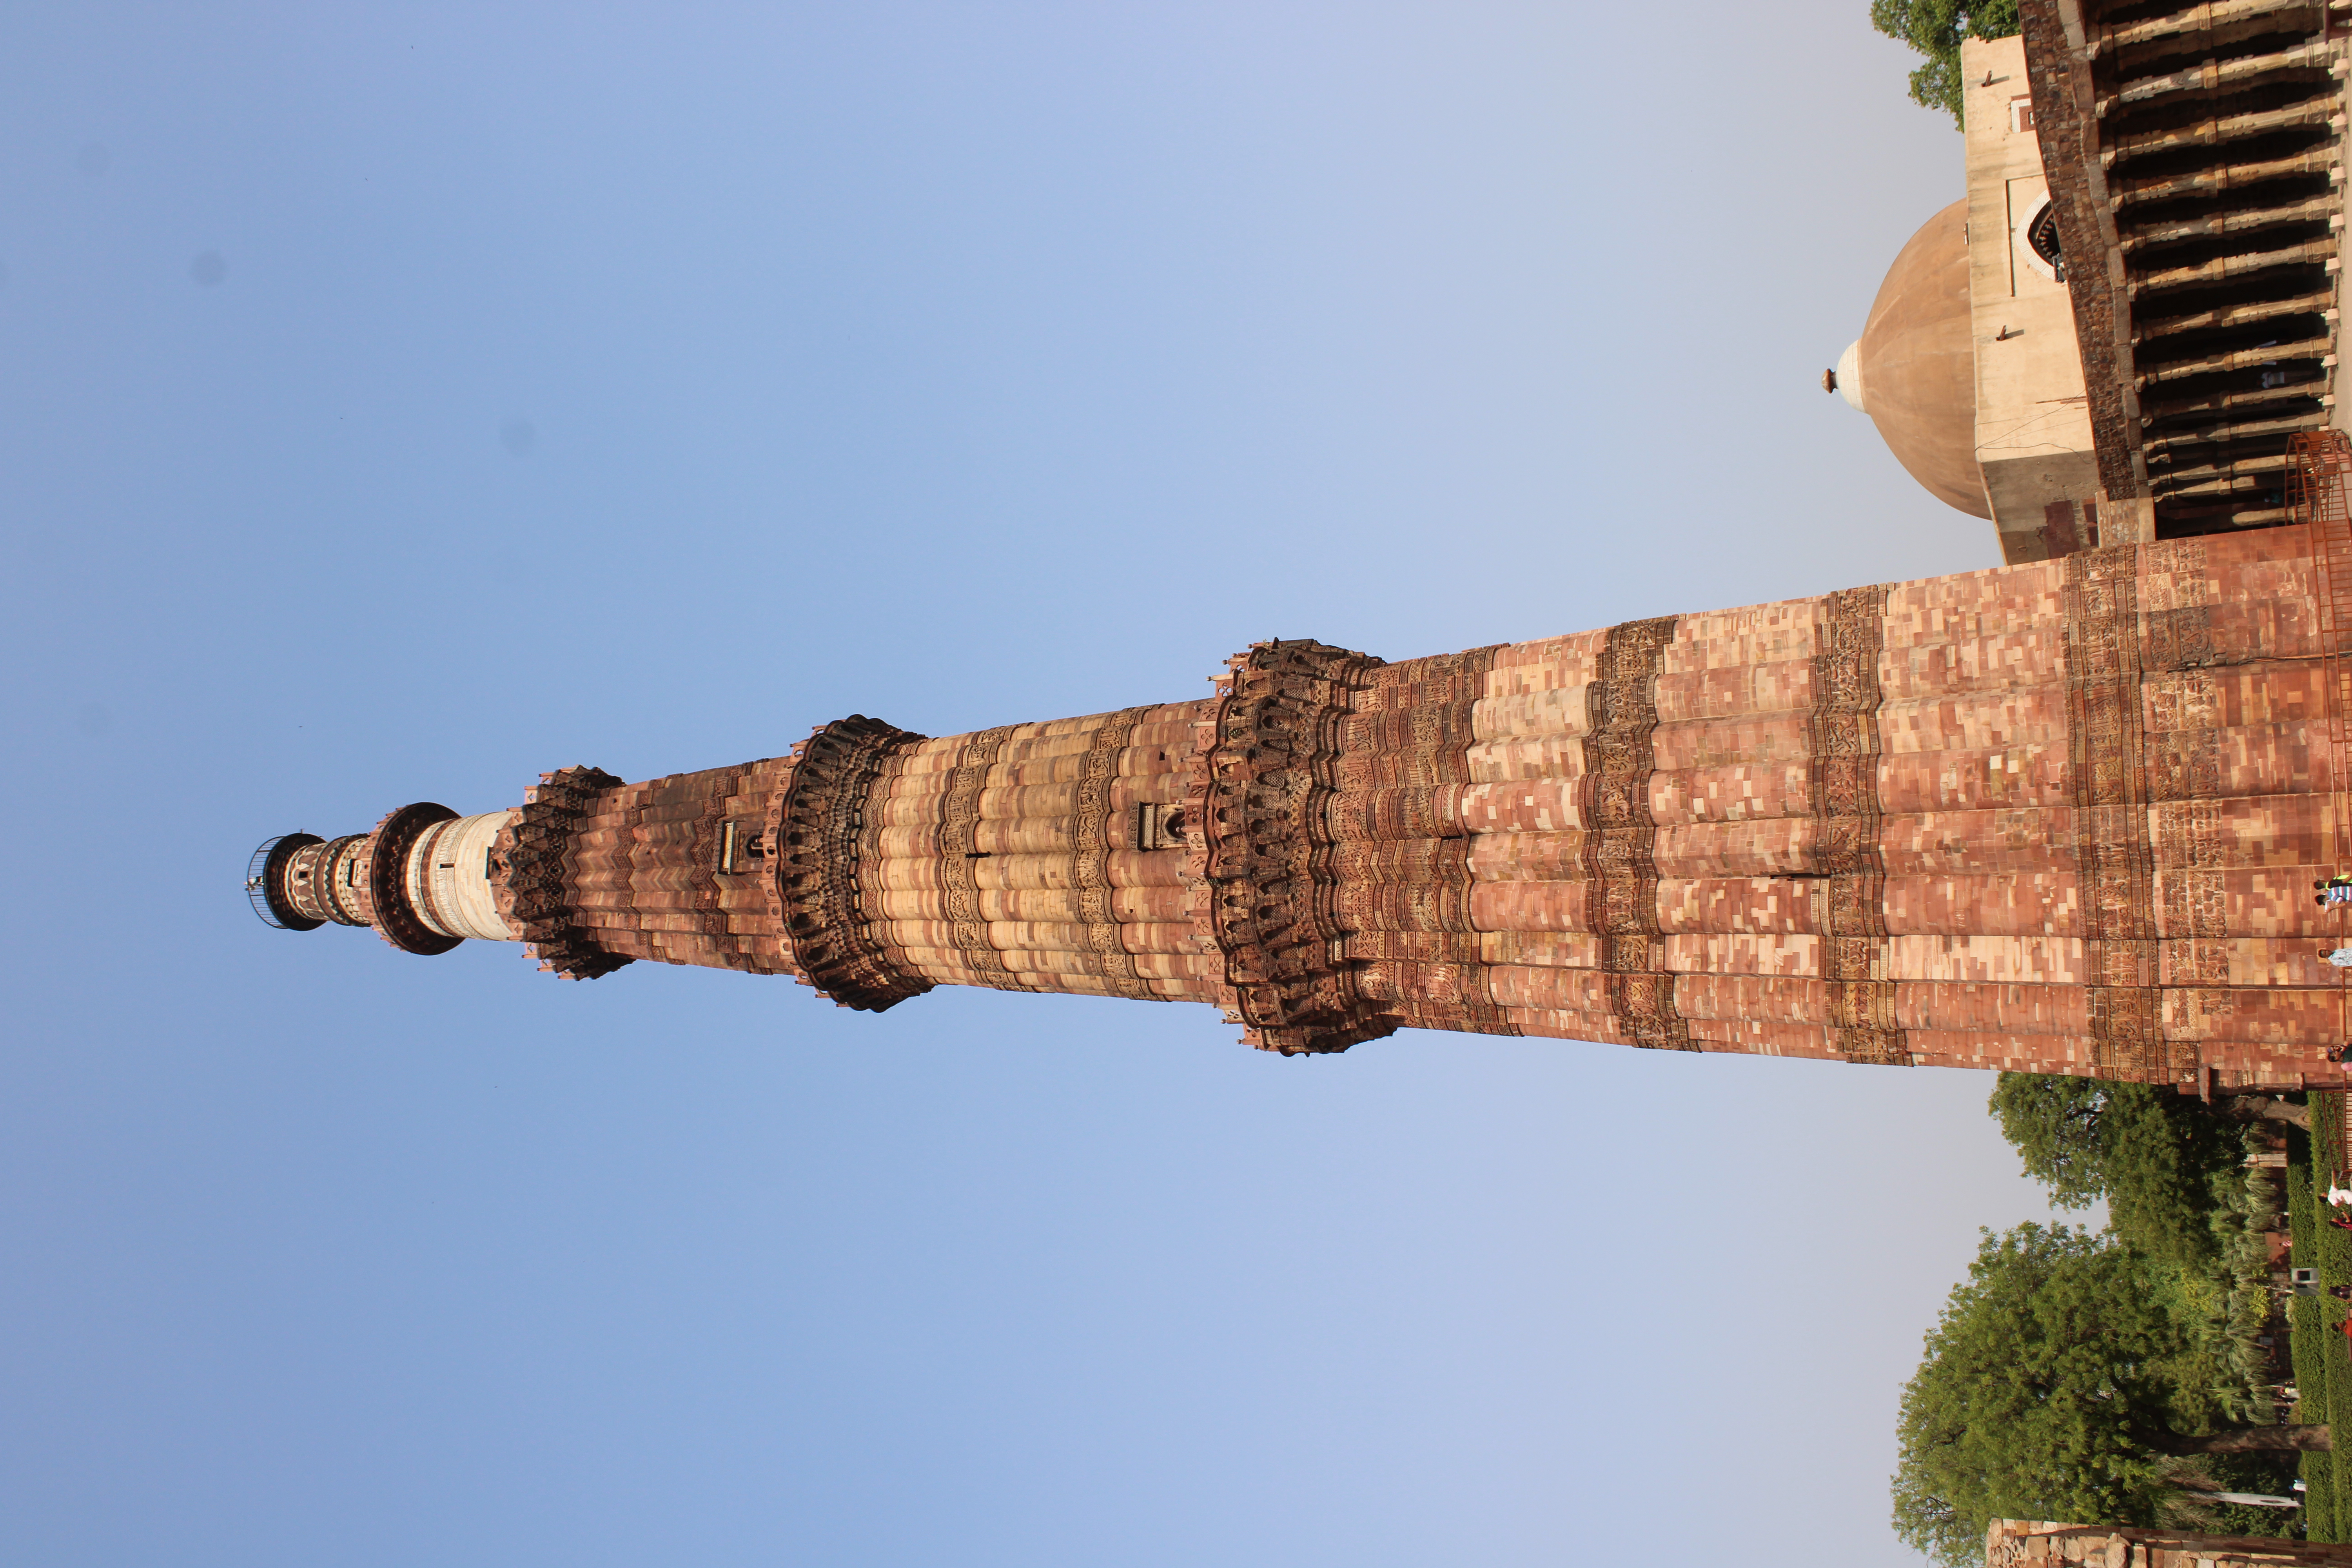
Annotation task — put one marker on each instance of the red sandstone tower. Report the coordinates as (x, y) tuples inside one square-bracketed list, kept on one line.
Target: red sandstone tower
[(2058, 817)]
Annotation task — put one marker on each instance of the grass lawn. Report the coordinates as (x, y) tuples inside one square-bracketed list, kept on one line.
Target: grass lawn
[(2323, 1364)]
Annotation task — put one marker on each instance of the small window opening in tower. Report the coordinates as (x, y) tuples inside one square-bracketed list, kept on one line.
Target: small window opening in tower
[(2041, 234), (740, 843)]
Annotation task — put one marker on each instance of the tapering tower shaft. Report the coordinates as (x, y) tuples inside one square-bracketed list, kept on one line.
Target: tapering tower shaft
[(2059, 817)]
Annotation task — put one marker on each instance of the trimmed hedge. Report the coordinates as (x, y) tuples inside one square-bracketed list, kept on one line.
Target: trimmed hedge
[(2323, 1366)]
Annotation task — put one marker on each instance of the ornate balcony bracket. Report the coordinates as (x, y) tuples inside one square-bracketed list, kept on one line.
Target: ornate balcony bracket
[(815, 823), (396, 919), (534, 895), (1260, 874)]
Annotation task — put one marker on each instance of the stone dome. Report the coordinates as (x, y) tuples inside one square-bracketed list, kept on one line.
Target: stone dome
[(1914, 369)]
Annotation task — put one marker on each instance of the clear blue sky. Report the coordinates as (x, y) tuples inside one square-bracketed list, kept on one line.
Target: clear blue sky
[(397, 402)]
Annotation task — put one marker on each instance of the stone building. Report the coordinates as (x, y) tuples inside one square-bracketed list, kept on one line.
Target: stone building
[(2021, 1543), (2133, 308)]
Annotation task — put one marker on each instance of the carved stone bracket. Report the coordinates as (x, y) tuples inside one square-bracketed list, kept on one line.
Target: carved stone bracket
[(534, 894), (814, 819), (1260, 868)]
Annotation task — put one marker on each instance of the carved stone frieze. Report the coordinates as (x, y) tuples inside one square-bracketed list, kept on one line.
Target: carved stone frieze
[(814, 819), (1845, 746), (1621, 835), (534, 891), (2111, 785), (1105, 956), (958, 852), (1261, 867)]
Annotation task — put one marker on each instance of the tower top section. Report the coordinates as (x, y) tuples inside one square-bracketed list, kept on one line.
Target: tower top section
[(425, 878)]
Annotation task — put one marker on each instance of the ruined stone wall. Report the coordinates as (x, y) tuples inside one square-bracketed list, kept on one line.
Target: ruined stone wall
[(2023, 1544)]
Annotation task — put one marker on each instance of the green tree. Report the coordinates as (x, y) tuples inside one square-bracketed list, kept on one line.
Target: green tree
[(2055, 1124), (2152, 1153), (2049, 1390), (1935, 28)]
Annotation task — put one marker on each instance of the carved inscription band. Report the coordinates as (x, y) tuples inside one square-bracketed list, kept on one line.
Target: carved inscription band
[(2108, 771), (1851, 904), (1621, 835), (960, 851), (814, 822), (1105, 954)]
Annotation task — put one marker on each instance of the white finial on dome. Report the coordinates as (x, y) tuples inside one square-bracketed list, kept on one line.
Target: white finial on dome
[(1846, 380)]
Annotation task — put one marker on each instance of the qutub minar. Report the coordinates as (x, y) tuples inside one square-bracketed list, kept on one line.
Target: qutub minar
[(2063, 816)]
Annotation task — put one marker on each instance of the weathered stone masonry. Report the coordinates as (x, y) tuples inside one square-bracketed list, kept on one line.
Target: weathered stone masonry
[(2023, 1543), (2061, 818)]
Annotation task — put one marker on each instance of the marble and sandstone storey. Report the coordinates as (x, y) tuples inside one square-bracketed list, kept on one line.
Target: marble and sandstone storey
[(2023, 1544), (2060, 818)]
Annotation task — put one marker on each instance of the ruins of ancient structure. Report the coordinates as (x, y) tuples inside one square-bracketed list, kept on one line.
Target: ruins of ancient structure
[(2022, 1543)]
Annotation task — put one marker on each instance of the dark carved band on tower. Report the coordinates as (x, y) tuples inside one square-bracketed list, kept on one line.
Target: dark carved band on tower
[(1846, 748), (1105, 956), (396, 919), (535, 896), (958, 846), (2111, 798), (814, 822), (1261, 864), (1620, 836)]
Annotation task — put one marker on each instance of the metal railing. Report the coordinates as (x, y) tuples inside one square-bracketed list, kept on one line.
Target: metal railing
[(259, 871)]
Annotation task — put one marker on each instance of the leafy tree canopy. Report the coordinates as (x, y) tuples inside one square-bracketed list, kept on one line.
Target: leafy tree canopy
[(2151, 1152), (1935, 28), (2054, 1123), (2044, 1382)]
